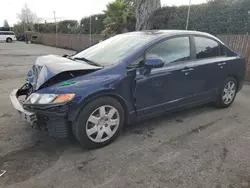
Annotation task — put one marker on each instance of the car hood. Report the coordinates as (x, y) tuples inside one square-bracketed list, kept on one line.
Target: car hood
[(51, 66)]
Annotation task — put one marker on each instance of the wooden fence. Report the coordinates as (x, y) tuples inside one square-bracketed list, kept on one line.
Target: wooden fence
[(239, 43), (68, 41)]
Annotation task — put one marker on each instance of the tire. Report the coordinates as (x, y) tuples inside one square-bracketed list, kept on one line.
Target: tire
[(223, 100), (9, 40), (90, 124)]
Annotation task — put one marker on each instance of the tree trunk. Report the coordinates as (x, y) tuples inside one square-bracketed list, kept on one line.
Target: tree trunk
[(144, 9)]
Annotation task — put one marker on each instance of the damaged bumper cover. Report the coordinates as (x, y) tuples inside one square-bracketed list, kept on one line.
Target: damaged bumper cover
[(51, 118), (26, 115)]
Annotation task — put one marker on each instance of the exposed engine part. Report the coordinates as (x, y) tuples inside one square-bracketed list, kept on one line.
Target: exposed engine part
[(26, 90), (65, 76)]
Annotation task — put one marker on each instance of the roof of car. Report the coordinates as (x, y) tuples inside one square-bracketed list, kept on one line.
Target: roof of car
[(160, 33), (168, 32)]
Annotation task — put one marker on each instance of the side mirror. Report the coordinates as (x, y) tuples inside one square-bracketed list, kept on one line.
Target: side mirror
[(154, 63)]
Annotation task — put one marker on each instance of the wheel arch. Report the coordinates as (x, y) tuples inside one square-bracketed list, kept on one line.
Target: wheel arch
[(8, 38), (236, 77), (96, 95)]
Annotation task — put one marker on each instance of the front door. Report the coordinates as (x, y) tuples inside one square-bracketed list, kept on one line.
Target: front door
[(170, 86)]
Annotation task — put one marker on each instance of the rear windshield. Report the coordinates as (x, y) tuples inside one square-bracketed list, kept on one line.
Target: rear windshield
[(114, 49)]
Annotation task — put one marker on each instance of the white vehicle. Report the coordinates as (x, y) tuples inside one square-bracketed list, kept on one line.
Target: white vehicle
[(7, 36)]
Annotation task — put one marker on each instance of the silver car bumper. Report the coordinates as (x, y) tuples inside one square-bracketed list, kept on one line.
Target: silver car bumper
[(30, 117)]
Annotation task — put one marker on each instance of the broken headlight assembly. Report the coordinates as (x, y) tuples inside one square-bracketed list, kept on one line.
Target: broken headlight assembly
[(36, 98)]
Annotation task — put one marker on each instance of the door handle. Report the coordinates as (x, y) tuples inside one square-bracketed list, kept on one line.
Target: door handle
[(187, 70), (220, 64)]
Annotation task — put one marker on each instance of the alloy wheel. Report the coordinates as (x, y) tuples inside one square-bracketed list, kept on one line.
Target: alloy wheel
[(229, 92), (102, 124)]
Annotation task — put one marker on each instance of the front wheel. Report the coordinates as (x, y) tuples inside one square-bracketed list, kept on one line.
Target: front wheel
[(99, 123), (227, 93)]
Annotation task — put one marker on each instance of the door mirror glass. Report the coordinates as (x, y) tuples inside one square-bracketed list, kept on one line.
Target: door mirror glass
[(154, 63)]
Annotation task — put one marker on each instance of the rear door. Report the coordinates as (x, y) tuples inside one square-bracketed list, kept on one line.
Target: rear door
[(210, 64)]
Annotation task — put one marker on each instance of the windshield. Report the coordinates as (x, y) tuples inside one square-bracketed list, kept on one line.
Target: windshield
[(115, 49)]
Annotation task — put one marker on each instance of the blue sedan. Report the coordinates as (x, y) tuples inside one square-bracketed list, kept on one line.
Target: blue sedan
[(126, 78)]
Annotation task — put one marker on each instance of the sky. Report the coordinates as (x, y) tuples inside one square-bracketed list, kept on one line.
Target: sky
[(71, 9)]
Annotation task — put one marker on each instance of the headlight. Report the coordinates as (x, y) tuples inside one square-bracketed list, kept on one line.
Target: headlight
[(33, 98), (36, 98), (47, 98)]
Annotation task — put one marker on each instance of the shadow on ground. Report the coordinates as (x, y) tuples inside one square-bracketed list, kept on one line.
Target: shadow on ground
[(146, 127)]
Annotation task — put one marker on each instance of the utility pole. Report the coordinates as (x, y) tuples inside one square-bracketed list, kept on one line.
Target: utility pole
[(90, 30), (56, 25), (38, 29), (188, 15)]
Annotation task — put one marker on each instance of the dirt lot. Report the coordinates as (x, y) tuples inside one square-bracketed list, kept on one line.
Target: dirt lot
[(201, 147)]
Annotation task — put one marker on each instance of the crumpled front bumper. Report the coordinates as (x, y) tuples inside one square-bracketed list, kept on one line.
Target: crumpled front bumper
[(56, 124), (30, 117)]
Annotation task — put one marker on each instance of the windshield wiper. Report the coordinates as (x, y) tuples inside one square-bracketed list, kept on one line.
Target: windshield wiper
[(88, 61)]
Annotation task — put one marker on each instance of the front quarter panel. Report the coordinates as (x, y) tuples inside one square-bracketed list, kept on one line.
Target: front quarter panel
[(114, 83)]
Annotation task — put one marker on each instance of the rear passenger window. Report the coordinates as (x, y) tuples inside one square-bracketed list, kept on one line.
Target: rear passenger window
[(206, 48)]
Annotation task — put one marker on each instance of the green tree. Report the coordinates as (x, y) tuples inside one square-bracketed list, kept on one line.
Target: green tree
[(117, 16), (27, 18), (215, 17), (96, 24), (19, 29), (225, 2), (66, 26), (45, 27), (6, 24)]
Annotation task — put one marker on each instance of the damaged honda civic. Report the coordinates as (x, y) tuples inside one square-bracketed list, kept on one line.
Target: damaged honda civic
[(127, 78)]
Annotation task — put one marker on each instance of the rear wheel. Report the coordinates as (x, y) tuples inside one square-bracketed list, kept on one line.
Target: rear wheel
[(9, 40), (99, 123), (227, 93)]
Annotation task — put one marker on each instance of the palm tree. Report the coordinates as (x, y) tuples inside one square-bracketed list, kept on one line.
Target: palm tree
[(117, 15)]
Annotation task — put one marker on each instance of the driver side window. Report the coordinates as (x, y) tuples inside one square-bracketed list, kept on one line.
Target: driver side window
[(171, 50)]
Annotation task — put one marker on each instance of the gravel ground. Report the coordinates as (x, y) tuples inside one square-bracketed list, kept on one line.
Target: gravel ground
[(199, 147)]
